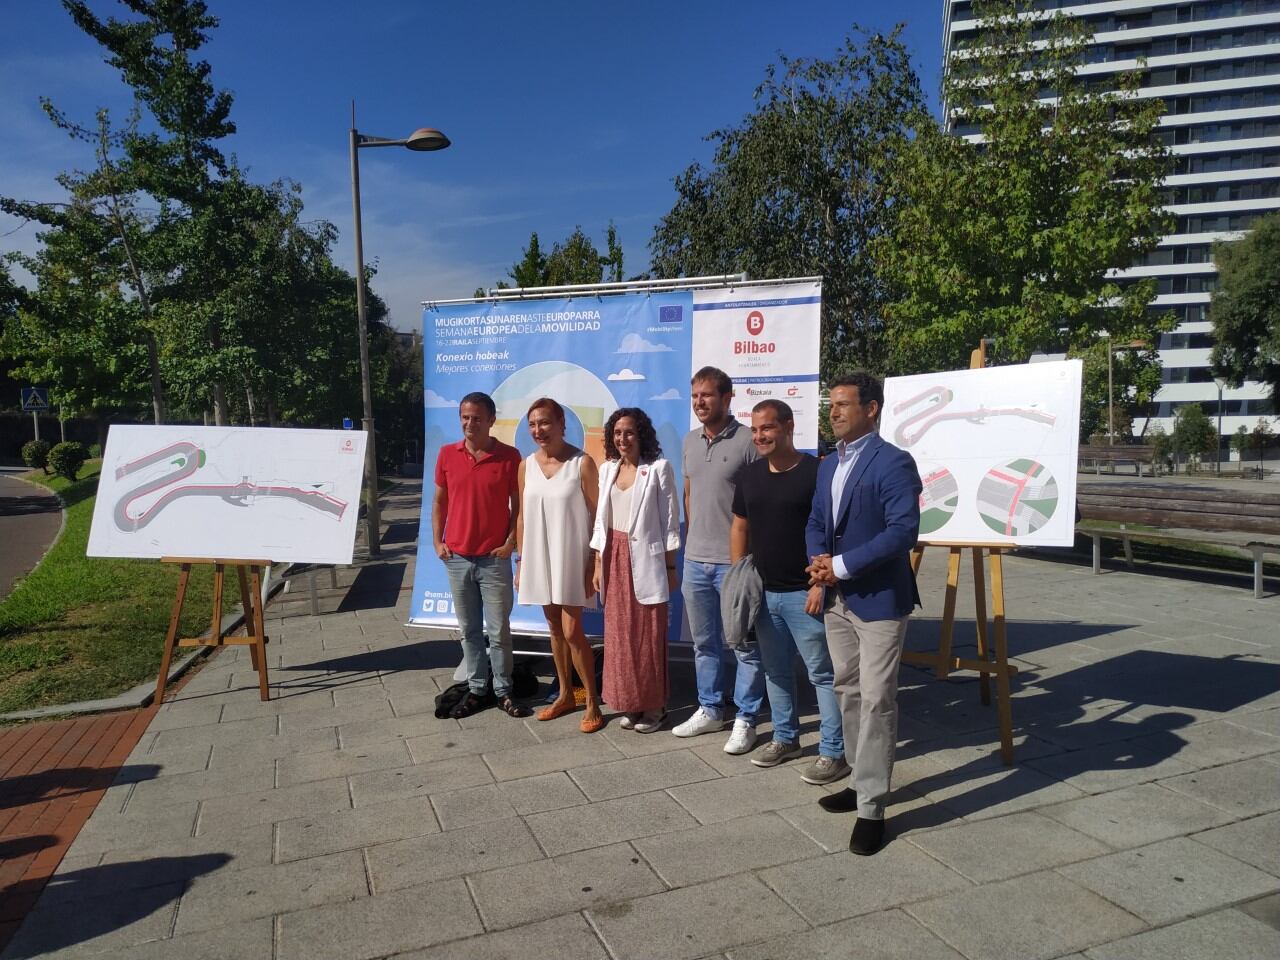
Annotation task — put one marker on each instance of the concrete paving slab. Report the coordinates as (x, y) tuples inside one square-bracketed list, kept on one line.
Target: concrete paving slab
[(466, 808), (230, 755), (442, 856), (173, 716), (889, 935), (1115, 765), (149, 795), (694, 921), (513, 896), (722, 849), (1222, 934), (462, 742), (333, 832), (96, 924), (364, 732), (840, 885), (519, 762), (550, 791), (565, 938), (109, 830), (1034, 917), (608, 821), (1211, 744), (1136, 816), (1243, 789), (1262, 721), (619, 778), (372, 709), (774, 789), (996, 793), (1266, 909), (307, 767), (229, 734), (250, 940), (268, 806), (1007, 846), (389, 923), (1255, 841), (418, 780), (224, 897), (1171, 879)]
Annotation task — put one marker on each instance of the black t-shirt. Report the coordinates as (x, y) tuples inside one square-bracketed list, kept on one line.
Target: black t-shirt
[(776, 506)]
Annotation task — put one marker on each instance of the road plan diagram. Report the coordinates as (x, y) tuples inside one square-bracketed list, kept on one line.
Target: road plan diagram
[(996, 450), (253, 493)]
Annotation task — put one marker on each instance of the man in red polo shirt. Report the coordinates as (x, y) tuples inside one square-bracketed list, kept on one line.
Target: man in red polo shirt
[(473, 523)]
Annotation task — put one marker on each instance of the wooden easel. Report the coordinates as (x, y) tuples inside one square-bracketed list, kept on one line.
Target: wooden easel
[(254, 623), (942, 661)]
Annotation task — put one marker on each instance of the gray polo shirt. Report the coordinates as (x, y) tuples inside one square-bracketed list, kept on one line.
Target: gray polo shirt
[(711, 467)]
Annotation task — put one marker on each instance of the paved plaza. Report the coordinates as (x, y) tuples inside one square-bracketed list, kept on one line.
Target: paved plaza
[(342, 819)]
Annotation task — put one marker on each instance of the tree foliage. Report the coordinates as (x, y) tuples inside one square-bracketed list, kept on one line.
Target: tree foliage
[(1193, 432), (802, 187), (1245, 309), (1013, 233), (575, 260), (1135, 380)]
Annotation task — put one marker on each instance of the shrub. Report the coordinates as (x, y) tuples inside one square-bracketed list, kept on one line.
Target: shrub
[(35, 453), (66, 459), (95, 451)]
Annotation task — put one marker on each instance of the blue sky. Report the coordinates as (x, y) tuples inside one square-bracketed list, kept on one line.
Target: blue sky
[(560, 113)]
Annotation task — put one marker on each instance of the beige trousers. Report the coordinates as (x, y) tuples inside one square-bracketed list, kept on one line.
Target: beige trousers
[(865, 655)]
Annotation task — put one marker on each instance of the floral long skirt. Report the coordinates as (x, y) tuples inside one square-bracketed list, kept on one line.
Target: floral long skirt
[(635, 637)]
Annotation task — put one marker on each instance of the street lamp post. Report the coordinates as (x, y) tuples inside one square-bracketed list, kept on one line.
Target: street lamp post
[(1218, 459), (422, 139)]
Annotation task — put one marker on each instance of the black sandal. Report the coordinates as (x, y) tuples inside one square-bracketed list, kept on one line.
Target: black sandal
[(467, 706), (513, 709)]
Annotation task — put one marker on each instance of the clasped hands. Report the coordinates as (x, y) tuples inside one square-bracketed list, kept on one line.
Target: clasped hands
[(821, 572)]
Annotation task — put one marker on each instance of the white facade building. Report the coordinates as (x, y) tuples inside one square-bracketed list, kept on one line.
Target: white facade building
[(1216, 65)]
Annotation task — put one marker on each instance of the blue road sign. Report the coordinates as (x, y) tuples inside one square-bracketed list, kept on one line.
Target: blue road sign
[(347, 424), (35, 398)]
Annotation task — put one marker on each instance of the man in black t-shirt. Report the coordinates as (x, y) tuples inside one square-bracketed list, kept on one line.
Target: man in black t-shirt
[(770, 509)]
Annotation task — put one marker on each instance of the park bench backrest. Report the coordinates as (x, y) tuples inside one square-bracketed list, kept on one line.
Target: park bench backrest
[(1188, 507)]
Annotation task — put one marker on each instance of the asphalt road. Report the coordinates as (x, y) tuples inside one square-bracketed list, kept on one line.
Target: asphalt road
[(29, 520)]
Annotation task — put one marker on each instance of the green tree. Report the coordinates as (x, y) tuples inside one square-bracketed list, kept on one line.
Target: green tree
[(1260, 437), (1193, 432), (1010, 228), (1240, 442), (1135, 379), (802, 186), (574, 260), (1245, 309)]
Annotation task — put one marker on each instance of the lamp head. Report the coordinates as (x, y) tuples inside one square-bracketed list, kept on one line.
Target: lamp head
[(426, 138)]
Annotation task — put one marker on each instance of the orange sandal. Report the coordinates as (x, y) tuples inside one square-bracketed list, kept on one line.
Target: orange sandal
[(556, 710), (592, 725)]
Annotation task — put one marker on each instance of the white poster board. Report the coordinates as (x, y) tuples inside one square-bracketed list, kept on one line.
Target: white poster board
[(252, 493), (767, 339), (996, 449)]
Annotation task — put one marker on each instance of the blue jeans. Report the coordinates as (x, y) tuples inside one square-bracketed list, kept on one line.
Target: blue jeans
[(783, 628), (482, 600), (701, 592)]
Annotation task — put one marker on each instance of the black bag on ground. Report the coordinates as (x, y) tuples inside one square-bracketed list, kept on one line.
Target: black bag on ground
[(524, 682), (452, 695)]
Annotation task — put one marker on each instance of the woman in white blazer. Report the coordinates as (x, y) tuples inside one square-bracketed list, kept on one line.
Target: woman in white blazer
[(635, 538)]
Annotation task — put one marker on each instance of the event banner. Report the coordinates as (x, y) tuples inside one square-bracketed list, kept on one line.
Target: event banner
[(592, 354), (767, 339), (996, 449)]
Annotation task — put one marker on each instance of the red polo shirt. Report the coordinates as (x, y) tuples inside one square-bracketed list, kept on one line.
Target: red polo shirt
[(478, 496)]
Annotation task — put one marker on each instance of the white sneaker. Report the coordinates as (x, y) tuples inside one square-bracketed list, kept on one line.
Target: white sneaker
[(742, 739), (650, 721), (702, 721), (626, 721)]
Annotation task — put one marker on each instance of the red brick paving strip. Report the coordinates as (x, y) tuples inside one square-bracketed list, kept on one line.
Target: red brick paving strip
[(52, 776)]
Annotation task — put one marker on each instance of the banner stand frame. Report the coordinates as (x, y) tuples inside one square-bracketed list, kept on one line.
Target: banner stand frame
[(251, 603)]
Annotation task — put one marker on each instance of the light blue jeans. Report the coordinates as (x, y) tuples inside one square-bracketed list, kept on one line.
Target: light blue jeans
[(701, 591), (482, 601), (783, 629)]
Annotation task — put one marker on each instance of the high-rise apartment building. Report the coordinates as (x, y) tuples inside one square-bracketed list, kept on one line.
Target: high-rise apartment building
[(1216, 66)]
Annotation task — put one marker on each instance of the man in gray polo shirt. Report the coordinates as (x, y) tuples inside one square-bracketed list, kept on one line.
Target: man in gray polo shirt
[(712, 455)]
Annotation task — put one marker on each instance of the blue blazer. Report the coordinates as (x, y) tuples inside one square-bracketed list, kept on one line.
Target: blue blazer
[(874, 530)]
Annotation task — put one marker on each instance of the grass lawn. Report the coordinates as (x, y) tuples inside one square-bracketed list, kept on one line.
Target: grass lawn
[(81, 628)]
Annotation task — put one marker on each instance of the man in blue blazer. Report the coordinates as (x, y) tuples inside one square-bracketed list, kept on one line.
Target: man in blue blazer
[(864, 522)]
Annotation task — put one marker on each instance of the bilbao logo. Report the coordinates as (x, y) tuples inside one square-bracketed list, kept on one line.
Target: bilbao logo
[(793, 391), (755, 323)]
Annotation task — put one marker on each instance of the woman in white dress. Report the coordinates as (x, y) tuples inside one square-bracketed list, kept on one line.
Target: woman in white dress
[(558, 488)]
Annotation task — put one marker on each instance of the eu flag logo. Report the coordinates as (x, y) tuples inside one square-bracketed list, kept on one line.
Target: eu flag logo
[(671, 314)]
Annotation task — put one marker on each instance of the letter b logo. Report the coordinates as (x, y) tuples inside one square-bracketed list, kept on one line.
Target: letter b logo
[(755, 323)]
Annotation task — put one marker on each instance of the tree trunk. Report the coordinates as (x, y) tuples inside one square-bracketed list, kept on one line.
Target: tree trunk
[(219, 405), (157, 385), (248, 398), (271, 412)]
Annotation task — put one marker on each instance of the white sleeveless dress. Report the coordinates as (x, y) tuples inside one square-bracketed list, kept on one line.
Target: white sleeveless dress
[(557, 531)]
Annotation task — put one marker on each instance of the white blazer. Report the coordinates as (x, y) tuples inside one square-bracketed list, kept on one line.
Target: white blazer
[(654, 525)]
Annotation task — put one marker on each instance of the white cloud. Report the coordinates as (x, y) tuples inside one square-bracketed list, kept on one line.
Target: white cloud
[(634, 343), (626, 373), (434, 399), (672, 394)]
